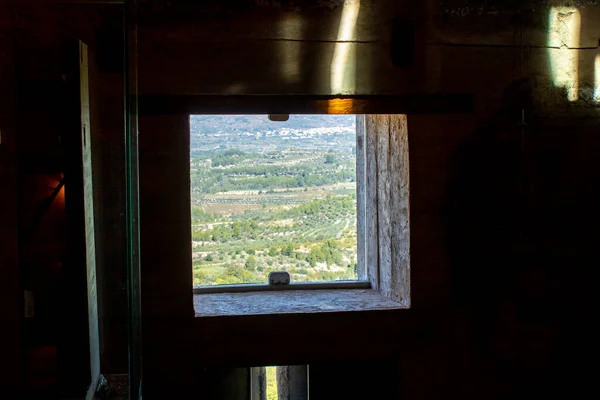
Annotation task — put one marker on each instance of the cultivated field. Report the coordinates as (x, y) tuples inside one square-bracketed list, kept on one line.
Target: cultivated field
[(287, 209)]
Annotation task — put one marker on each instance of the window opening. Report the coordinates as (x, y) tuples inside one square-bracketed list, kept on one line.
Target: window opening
[(273, 196), (289, 382)]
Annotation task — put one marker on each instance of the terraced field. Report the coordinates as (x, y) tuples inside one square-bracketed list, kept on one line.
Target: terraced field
[(312, 241)]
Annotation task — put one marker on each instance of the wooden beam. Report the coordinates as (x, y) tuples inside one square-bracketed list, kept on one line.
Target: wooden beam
[(441, 103)]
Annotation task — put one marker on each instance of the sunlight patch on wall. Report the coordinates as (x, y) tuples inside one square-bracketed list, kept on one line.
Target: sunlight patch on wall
[(563, 40), (290, 28), (597, 79), (343, 69)]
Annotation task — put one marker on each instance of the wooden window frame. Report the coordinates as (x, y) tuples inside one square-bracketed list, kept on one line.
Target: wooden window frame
[(382, 223), (361, 283)]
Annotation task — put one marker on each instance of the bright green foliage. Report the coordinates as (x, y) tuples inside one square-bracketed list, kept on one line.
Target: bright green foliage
[(327, 252), (235, 274), (228, 157)]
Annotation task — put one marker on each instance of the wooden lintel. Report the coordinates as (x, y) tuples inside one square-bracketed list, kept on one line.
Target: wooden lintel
[(442, 103)]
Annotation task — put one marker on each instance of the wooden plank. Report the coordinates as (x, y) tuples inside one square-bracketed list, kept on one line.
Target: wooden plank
[(75, 355), (397, 287), (371, 245), (384, 203), (440, 103), (291, 302), (360, 197), (88, 214)]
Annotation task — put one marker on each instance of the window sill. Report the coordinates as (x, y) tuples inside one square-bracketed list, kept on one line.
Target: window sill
[(291, 302)]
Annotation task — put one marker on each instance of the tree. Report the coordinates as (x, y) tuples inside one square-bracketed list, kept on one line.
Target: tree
[(273, 251), (288, 250), (250, 264), (329, 158)]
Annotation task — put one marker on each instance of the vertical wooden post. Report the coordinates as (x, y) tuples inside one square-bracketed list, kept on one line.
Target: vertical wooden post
[(372, 253), (360, 198), (384, 202), (387, 206), (398, 286), (88, 199), (78, 347)]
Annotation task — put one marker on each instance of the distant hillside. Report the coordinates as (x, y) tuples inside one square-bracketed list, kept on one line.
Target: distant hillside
[(208, 124)]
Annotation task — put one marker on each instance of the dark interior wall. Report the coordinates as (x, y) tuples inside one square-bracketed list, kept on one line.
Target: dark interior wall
[(501, 258), (502, 215), (501, 199), (11, 376), (41, 38), (108, 145)]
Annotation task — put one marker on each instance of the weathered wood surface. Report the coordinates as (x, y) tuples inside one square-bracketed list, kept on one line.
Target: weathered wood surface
[(73, 352), (290, 302), (384, 202), (360, 197), (88, 215), (372, 244), (387, 220), (412, 103), (398, 286)]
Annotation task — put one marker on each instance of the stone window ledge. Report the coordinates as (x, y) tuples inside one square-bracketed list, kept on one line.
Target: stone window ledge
[(291, 302)]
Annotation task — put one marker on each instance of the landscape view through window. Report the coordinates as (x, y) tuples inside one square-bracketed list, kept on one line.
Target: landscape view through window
[(273, 196)]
